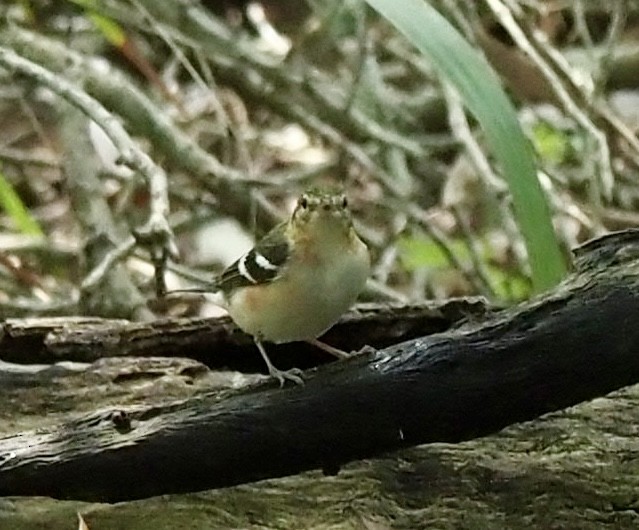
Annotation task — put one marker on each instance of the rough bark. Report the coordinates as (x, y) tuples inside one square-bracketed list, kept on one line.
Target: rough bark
[(572, 344), (216, 341)]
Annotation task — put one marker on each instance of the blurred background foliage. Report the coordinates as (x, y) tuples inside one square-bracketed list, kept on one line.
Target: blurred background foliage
[(246, 104)]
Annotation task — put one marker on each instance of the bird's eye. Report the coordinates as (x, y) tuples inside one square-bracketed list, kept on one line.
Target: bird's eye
[(304, 202), (344, 202)]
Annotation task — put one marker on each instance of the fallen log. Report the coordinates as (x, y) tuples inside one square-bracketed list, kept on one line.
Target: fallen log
[(574, 343)]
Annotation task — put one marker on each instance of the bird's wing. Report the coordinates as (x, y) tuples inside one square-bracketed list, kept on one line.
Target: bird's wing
[(262, 264)]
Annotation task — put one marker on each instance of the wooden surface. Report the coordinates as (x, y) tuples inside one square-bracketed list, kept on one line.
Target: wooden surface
[(570, 345)]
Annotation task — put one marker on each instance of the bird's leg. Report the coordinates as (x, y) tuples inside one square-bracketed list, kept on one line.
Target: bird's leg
[(340, 354), (280, 375)]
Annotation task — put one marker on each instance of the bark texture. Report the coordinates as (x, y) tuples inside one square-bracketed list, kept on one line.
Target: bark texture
[(570, 469)]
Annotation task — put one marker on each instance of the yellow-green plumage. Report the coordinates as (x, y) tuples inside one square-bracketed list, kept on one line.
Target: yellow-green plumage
[(325, 271), (312, 269)]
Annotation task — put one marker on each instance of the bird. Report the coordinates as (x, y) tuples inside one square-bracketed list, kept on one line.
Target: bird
[(297, 281)]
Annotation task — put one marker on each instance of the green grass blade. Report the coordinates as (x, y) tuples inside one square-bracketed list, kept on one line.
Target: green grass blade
[(11, 203), (482, 94)]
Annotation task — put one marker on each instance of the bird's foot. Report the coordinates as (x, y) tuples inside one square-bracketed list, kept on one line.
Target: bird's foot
[(294, 375)]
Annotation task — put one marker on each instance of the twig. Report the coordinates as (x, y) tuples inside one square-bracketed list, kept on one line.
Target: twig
[(22, 307), (441, 241), (130, 154), (199, 30), (366, 127), (115, 91), (364, 48), (20, 273), (581, 26), (111, 258), (117, 295), (32, 157), (208, 87), (474, 252), (461, 130), (604, 163)]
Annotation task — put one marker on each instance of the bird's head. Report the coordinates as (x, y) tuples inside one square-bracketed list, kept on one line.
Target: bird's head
[(322, 207)]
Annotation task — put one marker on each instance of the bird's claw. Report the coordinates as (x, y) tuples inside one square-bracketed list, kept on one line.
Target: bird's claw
[(294, 375)]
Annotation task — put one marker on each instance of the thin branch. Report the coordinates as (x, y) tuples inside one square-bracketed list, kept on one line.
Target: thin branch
[(31, 157), (130, 154), (461, 131), (604, 162), (108, 261), (440, 239)]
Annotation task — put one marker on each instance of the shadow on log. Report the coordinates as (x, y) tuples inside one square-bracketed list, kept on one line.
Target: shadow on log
[(572, 344)]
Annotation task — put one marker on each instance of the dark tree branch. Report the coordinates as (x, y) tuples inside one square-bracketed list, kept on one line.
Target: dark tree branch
[(216, 341), (574, 343)]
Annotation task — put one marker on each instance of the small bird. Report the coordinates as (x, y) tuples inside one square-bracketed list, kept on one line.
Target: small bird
[(299, 279)]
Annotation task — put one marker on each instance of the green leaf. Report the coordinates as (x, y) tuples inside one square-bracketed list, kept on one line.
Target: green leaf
[(482, 94), (15, 208), (551, 144), (110, 29), (508, 285), (420, 252)]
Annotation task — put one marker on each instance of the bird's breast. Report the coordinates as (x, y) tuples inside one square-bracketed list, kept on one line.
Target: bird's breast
[(305, 301)]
